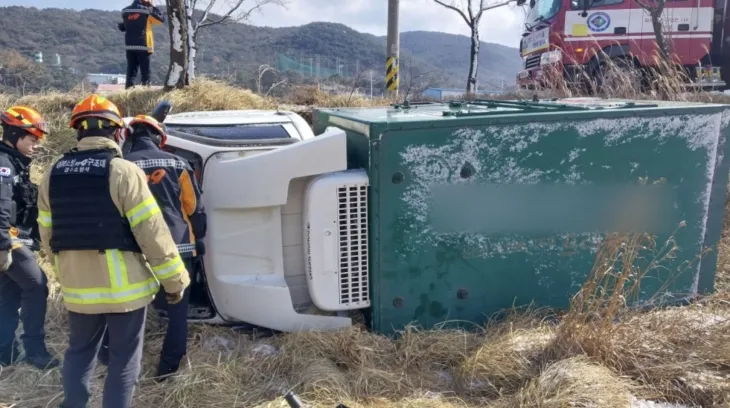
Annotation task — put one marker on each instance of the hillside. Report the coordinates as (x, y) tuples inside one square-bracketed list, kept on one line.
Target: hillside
[(451, 53), (89, 41)]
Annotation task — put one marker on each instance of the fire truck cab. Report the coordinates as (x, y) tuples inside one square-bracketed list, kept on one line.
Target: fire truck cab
[(575, 39)]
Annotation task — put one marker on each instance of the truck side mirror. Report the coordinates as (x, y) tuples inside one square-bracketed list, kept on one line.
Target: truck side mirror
[(161, 111), (521, 2)]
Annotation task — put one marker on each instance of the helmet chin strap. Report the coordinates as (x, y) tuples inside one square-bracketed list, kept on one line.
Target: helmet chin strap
[(103, 128), (12, 135)]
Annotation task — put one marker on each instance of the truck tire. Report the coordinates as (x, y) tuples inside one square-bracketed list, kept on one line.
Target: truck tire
[(618, 77)]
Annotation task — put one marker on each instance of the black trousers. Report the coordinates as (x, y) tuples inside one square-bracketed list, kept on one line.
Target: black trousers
[(175, 344), (24, 286), (138, 61), (126, 332)]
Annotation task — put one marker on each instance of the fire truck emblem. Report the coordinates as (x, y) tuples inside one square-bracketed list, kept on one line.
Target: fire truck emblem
[(599, 21)]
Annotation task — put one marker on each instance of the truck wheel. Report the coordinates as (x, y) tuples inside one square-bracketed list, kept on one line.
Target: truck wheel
[(618, 77)]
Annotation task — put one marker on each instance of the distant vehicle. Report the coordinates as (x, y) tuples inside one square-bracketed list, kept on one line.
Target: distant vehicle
[(575, 40)]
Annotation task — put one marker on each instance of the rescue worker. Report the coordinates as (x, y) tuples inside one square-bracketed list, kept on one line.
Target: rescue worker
[(139, 40), (175, 187), (111, 249), (22, 282)]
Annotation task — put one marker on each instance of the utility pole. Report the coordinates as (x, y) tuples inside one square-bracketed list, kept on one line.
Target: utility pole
[(392, 65), (371, 84)]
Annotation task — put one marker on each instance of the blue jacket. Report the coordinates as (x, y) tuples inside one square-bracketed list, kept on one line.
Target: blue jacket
[(176, 190)]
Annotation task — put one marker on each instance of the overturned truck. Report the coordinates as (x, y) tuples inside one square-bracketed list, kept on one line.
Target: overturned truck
[(430, 213)]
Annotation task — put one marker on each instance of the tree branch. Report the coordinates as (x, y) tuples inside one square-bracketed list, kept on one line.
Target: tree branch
[(243, 16), (456, 9), (354, 84), (473, 19), (201, 22), (469, 9), (485, 7), (659, 6)]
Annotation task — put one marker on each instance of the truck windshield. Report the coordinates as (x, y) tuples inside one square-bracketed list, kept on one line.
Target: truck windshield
[(542, 10), (235, 132)]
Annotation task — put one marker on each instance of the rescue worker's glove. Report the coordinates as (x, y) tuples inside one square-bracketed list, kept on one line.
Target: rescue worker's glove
[(174, 298), (34, 245), (6, 258), (200, 247), (122, 27)]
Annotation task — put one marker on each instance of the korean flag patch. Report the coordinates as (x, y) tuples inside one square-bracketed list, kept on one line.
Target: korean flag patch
[(5, 172)]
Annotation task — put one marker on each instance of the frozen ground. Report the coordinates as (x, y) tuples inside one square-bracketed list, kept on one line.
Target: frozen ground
[(638, 403)]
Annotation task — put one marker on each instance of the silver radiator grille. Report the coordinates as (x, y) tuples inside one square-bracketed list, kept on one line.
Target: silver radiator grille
[(353, 250), (532, 61)]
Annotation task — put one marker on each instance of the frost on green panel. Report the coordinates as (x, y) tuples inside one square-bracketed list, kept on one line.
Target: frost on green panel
[(538, 153)]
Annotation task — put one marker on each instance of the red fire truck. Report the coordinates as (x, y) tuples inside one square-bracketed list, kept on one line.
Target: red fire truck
[(577, 39)]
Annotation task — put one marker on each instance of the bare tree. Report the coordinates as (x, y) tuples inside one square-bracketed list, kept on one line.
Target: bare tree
[(263, 69), (472, 11), (355, 83), (176, 73), (417, 82), (655, 8), (233, 11)]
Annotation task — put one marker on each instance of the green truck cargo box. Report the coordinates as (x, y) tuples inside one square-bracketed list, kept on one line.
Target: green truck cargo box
[(477, 207)]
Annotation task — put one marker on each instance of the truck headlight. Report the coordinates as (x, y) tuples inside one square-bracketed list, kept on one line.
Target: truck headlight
[(551, 57)]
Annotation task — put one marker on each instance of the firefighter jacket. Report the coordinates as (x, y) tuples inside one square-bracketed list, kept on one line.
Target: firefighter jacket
[(18, 197), (99, 279), (137, 26), (173, 184)]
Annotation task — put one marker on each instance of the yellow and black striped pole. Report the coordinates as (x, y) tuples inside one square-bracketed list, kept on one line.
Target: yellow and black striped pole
[(393, 50), (391, 75)]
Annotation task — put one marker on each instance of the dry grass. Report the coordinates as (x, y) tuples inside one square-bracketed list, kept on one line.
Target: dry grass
[(600, 354), (506, 357), (573, 382), (625, 78)]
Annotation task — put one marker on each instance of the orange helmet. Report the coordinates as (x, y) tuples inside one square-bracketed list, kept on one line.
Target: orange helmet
[(96, 106), (27, 119), (152, 123)]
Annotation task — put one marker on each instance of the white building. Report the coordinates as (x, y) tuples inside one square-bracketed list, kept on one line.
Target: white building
[(97, 79)]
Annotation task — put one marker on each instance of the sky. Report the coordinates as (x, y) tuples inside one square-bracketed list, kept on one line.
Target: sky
[(502, 25)]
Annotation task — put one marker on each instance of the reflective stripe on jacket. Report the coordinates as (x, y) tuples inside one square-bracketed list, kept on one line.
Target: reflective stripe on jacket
[(173, 184), (117, 281)]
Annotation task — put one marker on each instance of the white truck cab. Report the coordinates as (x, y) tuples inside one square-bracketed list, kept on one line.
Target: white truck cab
[(267, 185)]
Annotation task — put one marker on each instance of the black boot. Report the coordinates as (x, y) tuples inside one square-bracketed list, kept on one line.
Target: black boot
[(43, 361), (165, 371)]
